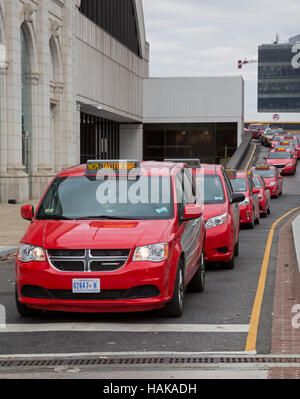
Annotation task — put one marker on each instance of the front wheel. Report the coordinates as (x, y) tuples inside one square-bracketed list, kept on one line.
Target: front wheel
[(24, 310), (174, 308)]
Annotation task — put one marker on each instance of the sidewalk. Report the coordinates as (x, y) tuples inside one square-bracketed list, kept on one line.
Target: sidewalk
[(286, 325), (12, 227)]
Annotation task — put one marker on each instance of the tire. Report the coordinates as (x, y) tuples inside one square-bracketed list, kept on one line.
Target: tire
[(197, 284), (237, 249), (175, 307), (251, 224), (269, 211), (230, 265), (25, 311), (256, 221), (264, 214)]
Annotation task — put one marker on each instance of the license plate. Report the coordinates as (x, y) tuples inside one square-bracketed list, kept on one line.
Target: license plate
[(86, 286)]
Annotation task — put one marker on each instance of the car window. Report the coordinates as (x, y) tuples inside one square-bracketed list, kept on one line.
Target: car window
[(239, 184), (256, 182)]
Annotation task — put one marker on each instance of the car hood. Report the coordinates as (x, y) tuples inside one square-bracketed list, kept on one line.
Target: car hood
[(211, 210), (87, 234)]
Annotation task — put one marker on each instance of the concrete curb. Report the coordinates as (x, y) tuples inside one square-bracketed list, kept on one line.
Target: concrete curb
[(296, 236), (5, 251)]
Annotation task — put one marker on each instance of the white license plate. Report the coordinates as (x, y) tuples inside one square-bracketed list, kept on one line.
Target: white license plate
[(86, 286)]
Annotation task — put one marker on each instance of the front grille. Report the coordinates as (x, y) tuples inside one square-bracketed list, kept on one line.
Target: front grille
[(279, 166), (139, 292), (88, 260)]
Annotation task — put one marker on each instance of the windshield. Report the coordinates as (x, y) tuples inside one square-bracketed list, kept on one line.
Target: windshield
[(239, 184), (294, 141), (211, 189), (90, 198), (280, 155), (277, 138), (257, 182), (267, 173)]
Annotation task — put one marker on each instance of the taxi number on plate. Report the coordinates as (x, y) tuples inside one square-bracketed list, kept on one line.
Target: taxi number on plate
[(86, 286)]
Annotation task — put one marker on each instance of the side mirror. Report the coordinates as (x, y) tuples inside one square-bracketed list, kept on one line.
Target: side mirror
[(237, 197), (192, 211), (27, 212), (255, 190)]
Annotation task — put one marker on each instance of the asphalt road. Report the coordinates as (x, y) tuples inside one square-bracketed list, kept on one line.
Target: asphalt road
[(227, 302)]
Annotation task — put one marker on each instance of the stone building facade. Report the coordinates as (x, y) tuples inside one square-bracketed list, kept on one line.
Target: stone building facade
[(70, 88)]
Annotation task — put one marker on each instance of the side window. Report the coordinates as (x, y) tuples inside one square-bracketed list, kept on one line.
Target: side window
[(251, 186), (228, 186), (179, 194), (189, 188)]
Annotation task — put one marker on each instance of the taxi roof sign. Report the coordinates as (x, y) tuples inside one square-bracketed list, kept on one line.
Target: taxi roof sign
[(249, 172), (265, 166), (191, 162), (280, 149), (231, 172), (284, 143), (289, 137), (117, 166)]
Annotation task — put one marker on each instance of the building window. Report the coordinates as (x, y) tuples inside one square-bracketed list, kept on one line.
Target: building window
[(116, 17), (99, 138), (207, 141), (26, 99)]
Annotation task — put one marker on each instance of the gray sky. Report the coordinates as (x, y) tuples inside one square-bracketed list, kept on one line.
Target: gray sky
[(198, 37)]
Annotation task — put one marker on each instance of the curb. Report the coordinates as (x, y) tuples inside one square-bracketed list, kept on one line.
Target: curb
[(296, 236), (5, 251)]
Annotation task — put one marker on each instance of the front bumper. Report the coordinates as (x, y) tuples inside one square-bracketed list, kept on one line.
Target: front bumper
[(219, 243), (122, 285)]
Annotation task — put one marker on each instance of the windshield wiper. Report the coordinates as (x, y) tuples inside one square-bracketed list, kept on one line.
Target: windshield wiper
[(52, 217), (104, 217)]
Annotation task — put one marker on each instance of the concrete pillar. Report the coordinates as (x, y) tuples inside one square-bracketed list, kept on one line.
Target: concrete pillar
[(15, 183), (3, 129), (131, 141), (68, 98)]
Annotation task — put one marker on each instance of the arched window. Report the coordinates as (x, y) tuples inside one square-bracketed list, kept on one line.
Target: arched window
[(26, 97)]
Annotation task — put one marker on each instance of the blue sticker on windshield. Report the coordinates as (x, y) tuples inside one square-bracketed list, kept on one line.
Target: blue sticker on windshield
[(162, 210), (218, 198)]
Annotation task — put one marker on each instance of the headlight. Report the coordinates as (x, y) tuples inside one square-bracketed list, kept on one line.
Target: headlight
[(260, 196), (273, 184), (29, 253), (151, 253), (290, 164), (216, 221), (245, 202)]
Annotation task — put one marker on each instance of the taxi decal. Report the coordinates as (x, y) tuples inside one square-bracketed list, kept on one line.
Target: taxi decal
[(111, 225), (93, 167)]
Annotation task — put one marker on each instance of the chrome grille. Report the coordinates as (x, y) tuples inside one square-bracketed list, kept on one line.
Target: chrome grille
[(87, 260)]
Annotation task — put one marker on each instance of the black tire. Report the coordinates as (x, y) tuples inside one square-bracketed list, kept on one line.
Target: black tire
[(251, 224), (256, 221), (24, 310), (269, 211), (175, 307), (237, 249), (263, 215), (229, 265), (197, 284)]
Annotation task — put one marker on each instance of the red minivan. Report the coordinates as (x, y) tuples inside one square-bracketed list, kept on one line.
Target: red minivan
[(113, 236), (249, 209), (220, 212)]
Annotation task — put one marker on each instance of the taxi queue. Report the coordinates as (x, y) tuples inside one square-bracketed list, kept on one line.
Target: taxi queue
[(81, 255)]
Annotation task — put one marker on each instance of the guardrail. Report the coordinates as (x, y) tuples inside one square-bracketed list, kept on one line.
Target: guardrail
[(239, 154)]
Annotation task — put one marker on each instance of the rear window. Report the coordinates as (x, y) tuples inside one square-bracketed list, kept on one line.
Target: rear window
[(211, 189), (257, 182), (239, 184), (265, 173), (280, 155)]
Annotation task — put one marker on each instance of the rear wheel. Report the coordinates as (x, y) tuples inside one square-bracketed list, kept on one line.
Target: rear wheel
[(251, 224), (197, 284), (269, 211), (230, 265), (174, 308), (237, 249)]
